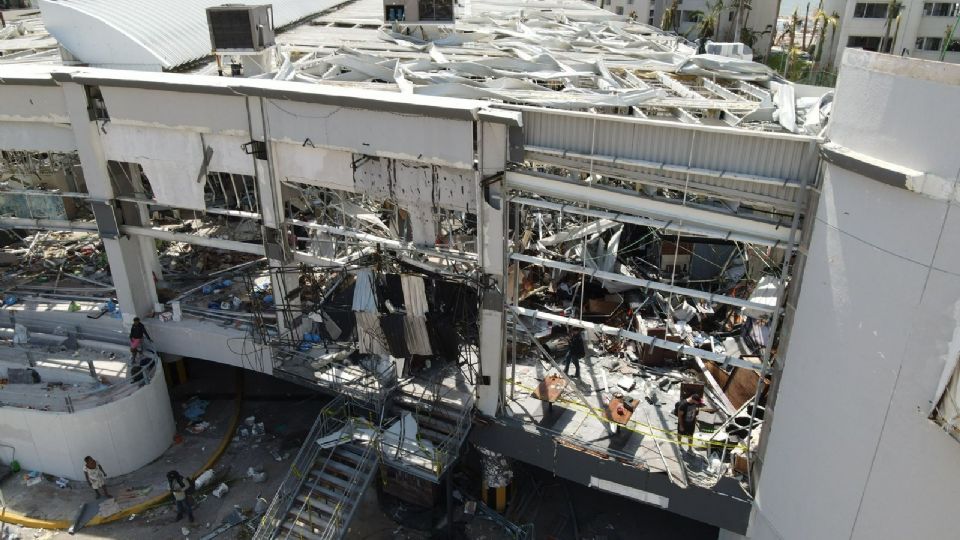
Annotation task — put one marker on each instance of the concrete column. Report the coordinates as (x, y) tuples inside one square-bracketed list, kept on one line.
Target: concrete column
[(132, 277), (490, 247), (138, 214), (284, 284), (272, 211)]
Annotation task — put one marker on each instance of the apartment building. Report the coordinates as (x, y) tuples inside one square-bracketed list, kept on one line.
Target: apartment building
[(760, 19), (919, 30), (639, 9)]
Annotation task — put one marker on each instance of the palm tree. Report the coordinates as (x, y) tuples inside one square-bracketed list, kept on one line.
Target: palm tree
[(817, 19), (671, 17), (707, 21), (791, 29), (893, 13), (835, 19), (806, 19), (827, 22), (793, 23), (717, 9), (741, 7)]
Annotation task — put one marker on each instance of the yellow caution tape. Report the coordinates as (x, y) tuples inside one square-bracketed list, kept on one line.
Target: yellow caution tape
[(634, 426)]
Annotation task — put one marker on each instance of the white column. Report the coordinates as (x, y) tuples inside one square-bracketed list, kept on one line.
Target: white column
[(490, 246), (132, 276)]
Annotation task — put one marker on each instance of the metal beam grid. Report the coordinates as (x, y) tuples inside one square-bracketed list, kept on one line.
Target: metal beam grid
[(678, 348)]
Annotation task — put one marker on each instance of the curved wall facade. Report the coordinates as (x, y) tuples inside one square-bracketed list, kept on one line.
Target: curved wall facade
[(122, 435)]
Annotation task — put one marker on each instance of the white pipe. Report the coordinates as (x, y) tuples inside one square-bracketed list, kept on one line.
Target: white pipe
[(218, 243), (48, 224), (622, 201), (644, 283), (646, 222)]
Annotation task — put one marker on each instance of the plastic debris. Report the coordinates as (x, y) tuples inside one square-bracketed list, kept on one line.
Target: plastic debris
[(221, 490), (205, 478), (258, 476), (63, 483), (199, 427), (33, 478), (195, 408)]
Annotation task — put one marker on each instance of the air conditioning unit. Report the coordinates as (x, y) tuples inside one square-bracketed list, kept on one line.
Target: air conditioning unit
[(419, 12), (239, 28), (730, 50)]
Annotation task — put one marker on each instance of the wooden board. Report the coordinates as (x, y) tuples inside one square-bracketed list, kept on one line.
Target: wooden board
[(613, 412), (550, 388)]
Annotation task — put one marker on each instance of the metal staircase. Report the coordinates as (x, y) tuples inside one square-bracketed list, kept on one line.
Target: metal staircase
[(330, 493), (443, 416), (321, 492)]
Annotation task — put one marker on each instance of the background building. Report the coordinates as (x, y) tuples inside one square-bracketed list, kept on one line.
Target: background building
[(761, 21), (918, 30), (627, 8)]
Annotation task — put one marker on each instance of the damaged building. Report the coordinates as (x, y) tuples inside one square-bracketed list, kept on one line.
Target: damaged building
[(431, 224)]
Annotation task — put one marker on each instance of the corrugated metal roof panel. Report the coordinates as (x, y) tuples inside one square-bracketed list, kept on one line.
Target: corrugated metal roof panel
[(144, 33), (768, 167)]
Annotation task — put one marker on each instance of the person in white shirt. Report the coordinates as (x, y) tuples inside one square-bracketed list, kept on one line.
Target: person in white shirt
[(95, 475)]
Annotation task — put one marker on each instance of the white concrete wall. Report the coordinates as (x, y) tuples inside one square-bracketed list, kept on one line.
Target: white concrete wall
[(123, 435), (851, 453)]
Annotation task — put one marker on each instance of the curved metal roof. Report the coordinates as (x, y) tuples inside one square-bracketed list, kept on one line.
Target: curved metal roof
[(149, 34)]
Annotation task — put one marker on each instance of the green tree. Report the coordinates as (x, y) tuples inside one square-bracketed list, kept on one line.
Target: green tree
[(707, 21), (827, 23)]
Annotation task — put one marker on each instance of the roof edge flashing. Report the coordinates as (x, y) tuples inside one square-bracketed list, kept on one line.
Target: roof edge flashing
[(450, 108)]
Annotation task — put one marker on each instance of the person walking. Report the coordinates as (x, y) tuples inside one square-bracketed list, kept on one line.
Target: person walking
[(575, 351), (95, 476), (178, 488), (687, 411), (137, 333)]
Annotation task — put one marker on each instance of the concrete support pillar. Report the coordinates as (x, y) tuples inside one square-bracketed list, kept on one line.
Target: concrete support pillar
[(131, 183), (491, 246), (497, 477), (132, 279), (132, 276), (287, 299)]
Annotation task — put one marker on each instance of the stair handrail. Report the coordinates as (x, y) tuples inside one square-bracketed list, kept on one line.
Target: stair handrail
[(298, 471)]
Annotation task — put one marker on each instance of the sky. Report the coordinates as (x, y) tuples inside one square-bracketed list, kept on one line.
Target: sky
[(787, 6)]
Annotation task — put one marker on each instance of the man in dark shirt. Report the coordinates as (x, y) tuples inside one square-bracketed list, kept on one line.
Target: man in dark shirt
[(575, 351), (137, 332), (687, 411)]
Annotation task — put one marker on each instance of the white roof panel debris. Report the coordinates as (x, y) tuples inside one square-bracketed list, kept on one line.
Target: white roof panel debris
[(560, 54)]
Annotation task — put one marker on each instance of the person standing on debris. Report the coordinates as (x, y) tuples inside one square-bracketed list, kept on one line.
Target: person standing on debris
[(179, 487), (575, 351), (687, 411), (137, 332), (95, 475)]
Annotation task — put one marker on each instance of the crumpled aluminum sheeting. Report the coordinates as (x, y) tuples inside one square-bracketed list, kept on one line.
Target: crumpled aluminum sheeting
[(531, 53)]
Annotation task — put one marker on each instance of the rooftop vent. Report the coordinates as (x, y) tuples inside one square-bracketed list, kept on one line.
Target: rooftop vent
[(239, 28), (419, 12)]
